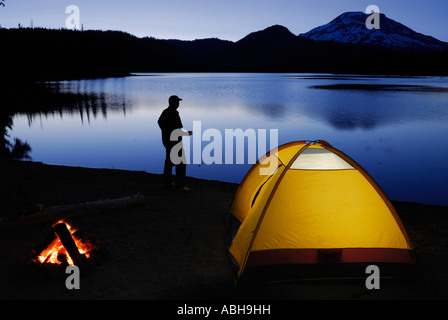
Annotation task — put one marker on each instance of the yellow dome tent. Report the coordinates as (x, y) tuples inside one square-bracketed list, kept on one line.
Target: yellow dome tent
[(315, 214)]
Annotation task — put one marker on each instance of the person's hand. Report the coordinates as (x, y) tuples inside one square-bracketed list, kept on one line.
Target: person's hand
[(190, 133)]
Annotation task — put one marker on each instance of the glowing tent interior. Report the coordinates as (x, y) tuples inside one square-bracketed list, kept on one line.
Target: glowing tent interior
[(316, 213)]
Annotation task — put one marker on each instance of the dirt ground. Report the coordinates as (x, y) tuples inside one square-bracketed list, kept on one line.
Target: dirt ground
[(172, 245)]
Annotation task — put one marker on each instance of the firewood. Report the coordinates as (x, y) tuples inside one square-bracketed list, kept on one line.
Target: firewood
[(67, 240), (73, 210)]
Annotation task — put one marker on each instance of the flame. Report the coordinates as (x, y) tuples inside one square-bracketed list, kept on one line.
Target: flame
[(51, 253)]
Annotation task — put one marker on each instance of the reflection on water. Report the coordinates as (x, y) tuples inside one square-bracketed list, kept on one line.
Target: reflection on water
[(73, 100), (395, 127)]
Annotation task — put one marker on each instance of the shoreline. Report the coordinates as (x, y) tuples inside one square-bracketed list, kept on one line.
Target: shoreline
[(172, 246), (33, 184), (23, 194)]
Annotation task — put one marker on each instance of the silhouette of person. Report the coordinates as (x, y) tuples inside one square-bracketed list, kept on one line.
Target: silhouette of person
[(170, 121)]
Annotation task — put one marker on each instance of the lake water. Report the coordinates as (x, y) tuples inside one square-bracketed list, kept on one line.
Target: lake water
[(395, 127)]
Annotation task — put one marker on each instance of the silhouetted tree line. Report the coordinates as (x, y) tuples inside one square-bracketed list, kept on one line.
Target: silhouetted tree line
[(48, 54), (44, 54)]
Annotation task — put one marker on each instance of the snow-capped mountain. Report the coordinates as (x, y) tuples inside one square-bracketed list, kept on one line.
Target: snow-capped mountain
[(350, 27)]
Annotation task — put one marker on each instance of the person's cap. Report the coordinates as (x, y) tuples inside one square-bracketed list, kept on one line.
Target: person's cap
[(173, 99)]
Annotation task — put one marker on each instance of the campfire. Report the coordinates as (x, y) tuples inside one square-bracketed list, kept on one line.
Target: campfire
[(64, 246)]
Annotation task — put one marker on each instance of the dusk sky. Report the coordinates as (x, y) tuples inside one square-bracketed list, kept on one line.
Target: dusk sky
[(224, 19)]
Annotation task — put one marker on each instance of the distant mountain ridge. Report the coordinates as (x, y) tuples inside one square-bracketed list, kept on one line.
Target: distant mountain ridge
[(344, 45)]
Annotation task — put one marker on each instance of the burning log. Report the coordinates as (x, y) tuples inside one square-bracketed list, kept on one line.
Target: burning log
[(64, 247), (67, 241)]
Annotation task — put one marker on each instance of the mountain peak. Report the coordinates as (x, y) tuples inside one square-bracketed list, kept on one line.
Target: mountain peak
[(350, 27), (275, 32), (353, 16), (278, 29)]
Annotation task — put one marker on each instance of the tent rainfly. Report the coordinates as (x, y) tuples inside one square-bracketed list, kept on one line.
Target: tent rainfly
[(317, 214)]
